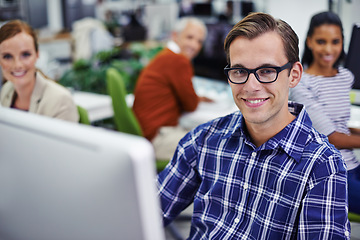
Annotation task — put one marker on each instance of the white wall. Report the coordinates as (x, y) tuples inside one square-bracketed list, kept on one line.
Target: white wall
[(55, 15)]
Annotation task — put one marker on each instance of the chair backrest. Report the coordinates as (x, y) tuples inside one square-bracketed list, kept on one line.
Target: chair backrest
[(353, 217), (83, 115), (124, 117)]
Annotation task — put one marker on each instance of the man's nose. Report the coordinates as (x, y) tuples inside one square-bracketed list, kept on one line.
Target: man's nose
[(252, 83)]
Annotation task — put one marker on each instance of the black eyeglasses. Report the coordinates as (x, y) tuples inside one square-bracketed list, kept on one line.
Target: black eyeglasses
[(238, 75)]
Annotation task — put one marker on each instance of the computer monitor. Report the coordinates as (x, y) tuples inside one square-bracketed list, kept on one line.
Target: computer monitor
[(202, 9), (211, 60), (62, 180), (353, 57)]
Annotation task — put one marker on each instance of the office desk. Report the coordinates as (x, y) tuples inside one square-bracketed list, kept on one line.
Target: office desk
[(223, 103), (354, 117), (98, 106)]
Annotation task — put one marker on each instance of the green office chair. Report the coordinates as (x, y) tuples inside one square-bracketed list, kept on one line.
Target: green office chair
[(353, 217), (83, 115), (124, 117)]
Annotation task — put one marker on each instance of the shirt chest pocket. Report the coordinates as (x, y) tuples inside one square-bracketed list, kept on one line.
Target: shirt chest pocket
[(277, 210)]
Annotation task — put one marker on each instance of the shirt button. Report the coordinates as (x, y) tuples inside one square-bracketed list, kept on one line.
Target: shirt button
[(253, 154), (246, 186), (236, 220), (346, 233)]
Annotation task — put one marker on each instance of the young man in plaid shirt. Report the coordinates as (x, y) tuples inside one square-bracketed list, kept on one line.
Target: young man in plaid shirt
[(262, 172)]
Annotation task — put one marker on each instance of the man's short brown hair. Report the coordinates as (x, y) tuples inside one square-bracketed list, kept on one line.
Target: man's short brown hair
[(256, 24)]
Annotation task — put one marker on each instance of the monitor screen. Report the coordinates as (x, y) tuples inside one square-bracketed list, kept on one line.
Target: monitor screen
[(62, 180), (202, 9), (353, 57), (211, 60)]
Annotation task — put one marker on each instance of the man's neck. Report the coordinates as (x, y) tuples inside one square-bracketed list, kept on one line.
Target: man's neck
[(261, 133)]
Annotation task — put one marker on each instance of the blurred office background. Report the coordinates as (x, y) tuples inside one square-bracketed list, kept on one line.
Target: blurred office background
[(55, 21), (79, 39)]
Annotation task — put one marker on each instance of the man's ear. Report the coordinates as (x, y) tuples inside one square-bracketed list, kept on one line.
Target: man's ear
[(295, 74)]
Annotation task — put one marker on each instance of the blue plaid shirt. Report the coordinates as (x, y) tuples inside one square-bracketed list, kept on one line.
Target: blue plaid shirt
[(292, 187)]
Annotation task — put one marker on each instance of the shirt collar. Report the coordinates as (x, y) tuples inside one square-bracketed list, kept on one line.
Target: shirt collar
[(291, 139), (173, 47)]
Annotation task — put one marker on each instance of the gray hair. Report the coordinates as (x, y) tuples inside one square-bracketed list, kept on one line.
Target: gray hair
[(184, 21)]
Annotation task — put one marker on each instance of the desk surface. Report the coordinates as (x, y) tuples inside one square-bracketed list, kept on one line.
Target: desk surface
[(223, 103), (354, 117), (98, 106)]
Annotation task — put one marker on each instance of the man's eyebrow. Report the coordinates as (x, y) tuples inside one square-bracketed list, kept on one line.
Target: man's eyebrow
[(237, 66), (262, 65)]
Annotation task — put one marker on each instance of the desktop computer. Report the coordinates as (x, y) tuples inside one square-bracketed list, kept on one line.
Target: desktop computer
[(352, 61), (65, 181)]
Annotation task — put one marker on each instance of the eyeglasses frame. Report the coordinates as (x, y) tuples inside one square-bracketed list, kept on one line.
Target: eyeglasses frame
[(249, 71)]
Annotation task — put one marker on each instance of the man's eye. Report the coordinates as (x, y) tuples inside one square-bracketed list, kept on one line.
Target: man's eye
[(265, 71), (240, 72)]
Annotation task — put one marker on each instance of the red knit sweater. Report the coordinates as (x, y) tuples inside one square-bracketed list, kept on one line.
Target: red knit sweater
[(163, 92)]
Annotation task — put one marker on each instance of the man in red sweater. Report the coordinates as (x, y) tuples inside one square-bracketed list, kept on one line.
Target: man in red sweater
[(164, 89)]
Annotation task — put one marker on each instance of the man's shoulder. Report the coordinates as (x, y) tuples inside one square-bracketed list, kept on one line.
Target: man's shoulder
[(325, 160), (167, 56), (318, 147)]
